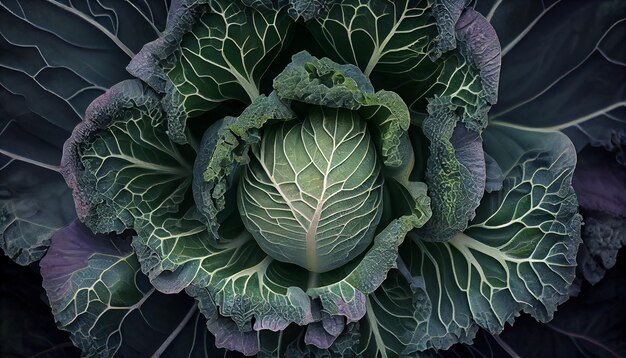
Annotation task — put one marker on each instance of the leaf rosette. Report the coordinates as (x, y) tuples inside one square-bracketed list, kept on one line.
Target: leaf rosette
[(322, 179)]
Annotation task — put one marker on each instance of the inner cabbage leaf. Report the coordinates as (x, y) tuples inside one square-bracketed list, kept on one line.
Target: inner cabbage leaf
[(312, 193)]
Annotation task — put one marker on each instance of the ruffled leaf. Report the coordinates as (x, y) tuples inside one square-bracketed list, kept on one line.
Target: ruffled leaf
[(326, 83), (455, 172), (409, 48), (121, 164), (322, 82), (591, 324), (519, 253), (603, 236), (50, 71), (99, 295), (211, 52), (242, 280), (288, 342), (247, 285), (224, 148)]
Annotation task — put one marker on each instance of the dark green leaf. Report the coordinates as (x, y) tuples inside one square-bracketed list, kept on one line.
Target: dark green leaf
[(120, 162), (211, 51), (99, 295)]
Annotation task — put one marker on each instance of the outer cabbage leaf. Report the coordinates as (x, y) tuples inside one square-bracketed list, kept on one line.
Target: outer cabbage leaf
[(99, 295), (591, 324), (247, 285), (49, 72), (517, 254), (307, 9), (555, 54), (325, 83), (552, 58), (35, 202), (294, 345), (405, 47), (244, 282), (455, 173), (395, 312), (121, 164), (603, 235), (224, 148), (211, 52), (288, 342)]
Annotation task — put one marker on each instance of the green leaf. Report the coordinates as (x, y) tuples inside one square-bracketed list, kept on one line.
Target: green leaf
[(519, 253), (248, 286), (326, 83), (347, 297), (288, 342), (390, 120), (322, 82), (224, 148), (396, 312), (380, 33), (455, 173), (409, 48), (99, 295), (312, 193), (307, 9), (50, 71), (211, 52), (121, 164), (242, 280)]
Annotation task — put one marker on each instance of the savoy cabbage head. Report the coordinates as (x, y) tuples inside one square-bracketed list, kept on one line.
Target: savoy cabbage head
[(305, 178)]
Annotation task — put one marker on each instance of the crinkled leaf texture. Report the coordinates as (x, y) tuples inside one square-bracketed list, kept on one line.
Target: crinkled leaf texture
[(211, 52), (237, 284), (444, 62), (100, 296), (120, 162), (50, 70), (591, 324), (518, 253), (420, 50), (246, 285)]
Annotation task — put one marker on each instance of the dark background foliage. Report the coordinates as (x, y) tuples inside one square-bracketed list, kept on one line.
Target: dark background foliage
[(27, 328)]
